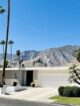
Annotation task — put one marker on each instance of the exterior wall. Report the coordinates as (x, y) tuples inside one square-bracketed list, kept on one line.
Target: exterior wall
[(52, 78), (18, 76), (12, 76)]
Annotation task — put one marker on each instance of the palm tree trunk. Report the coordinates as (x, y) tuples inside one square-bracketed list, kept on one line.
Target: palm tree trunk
[(7, 34), (11, 54), (3, 49), (3, 54)]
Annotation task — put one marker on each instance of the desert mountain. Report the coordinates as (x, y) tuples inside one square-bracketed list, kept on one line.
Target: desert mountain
[(61, 56), (54, 57)]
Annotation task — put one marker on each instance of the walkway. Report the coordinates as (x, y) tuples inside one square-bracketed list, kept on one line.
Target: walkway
[(34, 94)]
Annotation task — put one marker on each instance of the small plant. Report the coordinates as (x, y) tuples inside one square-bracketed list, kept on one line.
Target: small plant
[(33, 84), (14, 83)]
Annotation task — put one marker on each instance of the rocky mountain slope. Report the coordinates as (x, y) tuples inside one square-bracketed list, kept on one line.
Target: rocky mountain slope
[(61, 56), (54, 57)]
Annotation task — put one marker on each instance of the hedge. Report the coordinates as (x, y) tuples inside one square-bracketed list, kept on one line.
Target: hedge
[(69, 91)]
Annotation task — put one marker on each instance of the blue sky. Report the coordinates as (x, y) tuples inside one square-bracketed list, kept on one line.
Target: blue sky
[(42, 24)]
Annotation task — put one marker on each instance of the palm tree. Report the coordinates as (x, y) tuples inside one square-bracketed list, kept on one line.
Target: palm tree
[(2, 10), (18, 54), (7, 35), (3, 44), (11, 43)]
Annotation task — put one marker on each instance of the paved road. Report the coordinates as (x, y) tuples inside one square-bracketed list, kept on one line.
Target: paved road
[(12, 102)]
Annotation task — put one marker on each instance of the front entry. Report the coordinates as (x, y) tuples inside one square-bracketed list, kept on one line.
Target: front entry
[(29, 77)]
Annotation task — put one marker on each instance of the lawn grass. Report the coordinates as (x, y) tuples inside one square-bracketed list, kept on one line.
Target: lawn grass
[(67, 100)]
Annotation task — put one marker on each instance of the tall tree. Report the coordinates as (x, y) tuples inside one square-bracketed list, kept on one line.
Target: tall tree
[(7, 35), (77, 54), (11, 43), (18, 54), (75, 70), (2, 10), (3, 45)]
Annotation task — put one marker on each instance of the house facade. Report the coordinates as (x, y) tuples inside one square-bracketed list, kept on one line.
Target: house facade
[(41, 76)]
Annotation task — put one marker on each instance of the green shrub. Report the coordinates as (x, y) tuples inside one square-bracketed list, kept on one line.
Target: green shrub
[(76, 91), (60, 90), (69, 91)]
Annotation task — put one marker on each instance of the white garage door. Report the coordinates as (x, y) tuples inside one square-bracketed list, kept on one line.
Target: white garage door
[(53, 79)]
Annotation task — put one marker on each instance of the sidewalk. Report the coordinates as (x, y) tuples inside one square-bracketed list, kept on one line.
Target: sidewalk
[(34, 94)]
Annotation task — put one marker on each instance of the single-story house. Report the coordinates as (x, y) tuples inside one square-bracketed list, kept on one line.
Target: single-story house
[(41, 76)]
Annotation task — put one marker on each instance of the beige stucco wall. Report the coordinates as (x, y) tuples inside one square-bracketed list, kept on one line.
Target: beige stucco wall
[(14, 76), (19, 76), (43, 76)]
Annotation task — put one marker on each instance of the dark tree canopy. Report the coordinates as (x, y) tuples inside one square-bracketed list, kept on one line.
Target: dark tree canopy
[(2, 10), (18, 54), (10, 42), (77, 53), (75, 70)]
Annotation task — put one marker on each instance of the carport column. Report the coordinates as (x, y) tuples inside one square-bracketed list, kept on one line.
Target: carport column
[(35, 77), (23, 74)]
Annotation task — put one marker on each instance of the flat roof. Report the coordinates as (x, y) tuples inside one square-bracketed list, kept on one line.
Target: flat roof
[(37, 68), (40, 69)]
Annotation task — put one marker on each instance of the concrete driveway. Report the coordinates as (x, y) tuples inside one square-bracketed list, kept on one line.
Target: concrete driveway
[(34, 94)]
